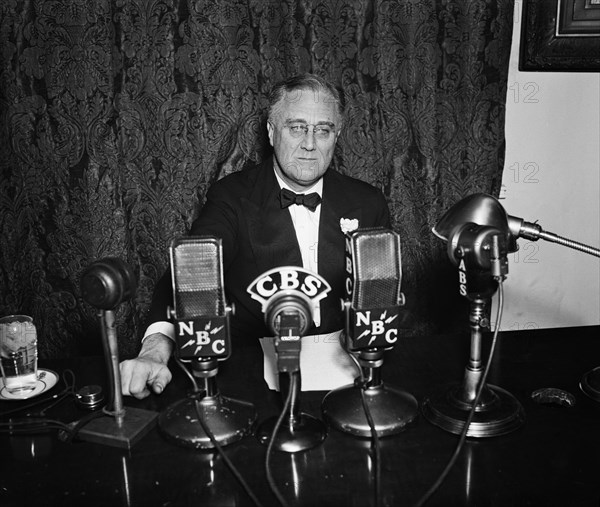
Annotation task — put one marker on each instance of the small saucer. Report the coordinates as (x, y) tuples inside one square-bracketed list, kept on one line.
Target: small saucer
[(46, 380)]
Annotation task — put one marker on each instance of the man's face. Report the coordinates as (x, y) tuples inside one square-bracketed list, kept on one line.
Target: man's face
[(303, 134)]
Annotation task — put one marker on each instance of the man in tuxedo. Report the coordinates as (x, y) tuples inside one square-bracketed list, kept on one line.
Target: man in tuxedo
[(263, 225)]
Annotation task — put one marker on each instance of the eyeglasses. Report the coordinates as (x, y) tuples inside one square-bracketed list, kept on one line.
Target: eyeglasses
[(298, 130)]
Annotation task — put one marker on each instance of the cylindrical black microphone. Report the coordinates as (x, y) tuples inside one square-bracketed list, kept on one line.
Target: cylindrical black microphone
[(374, 275), (199, 306), (288, 314)]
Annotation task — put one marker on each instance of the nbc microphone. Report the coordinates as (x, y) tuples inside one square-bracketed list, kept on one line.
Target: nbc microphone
[(202, 334), (199, 307), (372, 310), (373, 296)]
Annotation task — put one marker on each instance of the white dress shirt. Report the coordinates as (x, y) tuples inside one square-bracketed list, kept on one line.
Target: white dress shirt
[(306, 225), (324, 365)]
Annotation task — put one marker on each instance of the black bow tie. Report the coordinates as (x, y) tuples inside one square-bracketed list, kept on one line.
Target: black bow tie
[(287, 198)]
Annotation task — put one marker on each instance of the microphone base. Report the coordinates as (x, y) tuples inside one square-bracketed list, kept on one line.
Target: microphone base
[(498, 414), (391, 410), (305, 432), (105, 430), (590, 383), (228, 420)]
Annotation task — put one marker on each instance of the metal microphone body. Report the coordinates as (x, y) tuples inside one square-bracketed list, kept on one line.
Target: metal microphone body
[(373, 296), (288, 315), (199, 307)]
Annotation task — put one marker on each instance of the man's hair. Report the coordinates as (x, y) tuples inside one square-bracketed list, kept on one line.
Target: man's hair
[(322, 89)]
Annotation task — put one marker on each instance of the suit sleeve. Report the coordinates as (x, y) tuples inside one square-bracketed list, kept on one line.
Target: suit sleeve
[(219, 218)]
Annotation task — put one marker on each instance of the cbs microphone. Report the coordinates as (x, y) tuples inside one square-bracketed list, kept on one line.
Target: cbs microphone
[(372, 311), (289, 296), (205, 418)]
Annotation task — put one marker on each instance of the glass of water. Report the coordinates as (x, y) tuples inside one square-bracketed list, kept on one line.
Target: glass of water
[(18, 353)]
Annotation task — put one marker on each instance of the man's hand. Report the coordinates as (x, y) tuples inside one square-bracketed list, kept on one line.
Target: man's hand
[(149, 369)]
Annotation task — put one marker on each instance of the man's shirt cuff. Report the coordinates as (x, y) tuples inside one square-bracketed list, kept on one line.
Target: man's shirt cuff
[(162, 327)]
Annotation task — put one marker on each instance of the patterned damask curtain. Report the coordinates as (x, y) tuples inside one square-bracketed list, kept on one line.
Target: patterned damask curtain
[(116, 115)]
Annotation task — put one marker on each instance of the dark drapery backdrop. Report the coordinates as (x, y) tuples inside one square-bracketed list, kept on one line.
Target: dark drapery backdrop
[(117, 115)]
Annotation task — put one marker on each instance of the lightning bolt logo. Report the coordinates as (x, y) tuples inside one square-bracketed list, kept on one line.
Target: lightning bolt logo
[(363, 334)]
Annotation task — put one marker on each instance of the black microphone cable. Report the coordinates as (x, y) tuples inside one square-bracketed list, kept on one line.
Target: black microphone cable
[(292, 392), (236, 473), (68, 378), (218, 447), (32, 425), (362, 384), (181, 365), (37, 422), (463, 435)]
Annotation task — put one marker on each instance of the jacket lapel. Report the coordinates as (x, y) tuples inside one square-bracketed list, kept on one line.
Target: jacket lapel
[(331, 238), (270, 228)]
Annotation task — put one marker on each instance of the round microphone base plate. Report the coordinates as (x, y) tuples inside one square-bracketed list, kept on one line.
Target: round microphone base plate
[(392, 410), (500, 414), (590, 383), (228, 421), (304, 432)]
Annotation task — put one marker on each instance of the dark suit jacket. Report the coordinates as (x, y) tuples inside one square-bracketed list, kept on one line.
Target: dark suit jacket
[(243, 210)]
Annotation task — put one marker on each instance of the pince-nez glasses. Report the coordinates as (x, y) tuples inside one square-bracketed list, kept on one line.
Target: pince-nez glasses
[(321, 132)]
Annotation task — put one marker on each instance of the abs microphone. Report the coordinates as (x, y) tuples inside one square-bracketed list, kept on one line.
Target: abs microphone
[(104, 285), (372, 310), (205, 418)]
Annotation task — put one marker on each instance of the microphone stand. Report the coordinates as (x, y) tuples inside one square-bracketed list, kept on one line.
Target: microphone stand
[(391, 409), (299, 431), (590, 383), (484, 209), (109, 345), (121, 427), (205, 413), (498, 412)]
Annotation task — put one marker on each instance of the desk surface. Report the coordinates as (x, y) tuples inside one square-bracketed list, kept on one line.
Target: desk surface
[(552, 460)]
